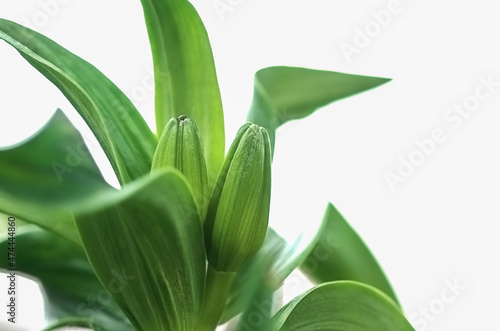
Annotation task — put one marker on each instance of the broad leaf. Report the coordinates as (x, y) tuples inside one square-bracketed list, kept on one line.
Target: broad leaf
[(123, 134), (150, 232), (40, 179), (341, 254), (185, 78), (282, 94), (341, 306), (69, 283)]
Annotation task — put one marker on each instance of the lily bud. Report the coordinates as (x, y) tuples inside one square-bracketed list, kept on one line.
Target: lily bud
[(180, 147), (238, 212)]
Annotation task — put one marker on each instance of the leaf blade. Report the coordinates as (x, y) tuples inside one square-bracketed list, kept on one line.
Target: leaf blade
[(185, 77), (341, 254), (51, 259), (150, 228), (282, 94), (44, 176), (341, 306), (123, 134)]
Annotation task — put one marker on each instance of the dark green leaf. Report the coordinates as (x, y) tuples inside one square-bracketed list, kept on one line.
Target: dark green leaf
[(150, 232), (42, 177), (282, 94), (72, 290), (185, 78), (341, 306), (341, 254), (122, 132)]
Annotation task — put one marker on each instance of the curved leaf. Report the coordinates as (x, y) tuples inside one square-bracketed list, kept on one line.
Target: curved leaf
[(185, 78), (341, 306), (149, 233), (42, 177), (256, 278), (72, 291), (341, 254), (282, 94), (267, 271), (123, 134)]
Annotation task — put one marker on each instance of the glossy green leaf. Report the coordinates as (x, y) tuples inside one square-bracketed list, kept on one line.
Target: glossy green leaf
[(72, 290), (341, 306), (151, 234), (123, 134), (185, 78), (41, 178), (282, 94), (341, 254)]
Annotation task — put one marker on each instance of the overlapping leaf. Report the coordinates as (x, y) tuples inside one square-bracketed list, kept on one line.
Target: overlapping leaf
[(72, 291), (341, 306), (44, 176), (267, 271), (282, 94), (185, 78), (151, 234), (123, 134), (341, 254)]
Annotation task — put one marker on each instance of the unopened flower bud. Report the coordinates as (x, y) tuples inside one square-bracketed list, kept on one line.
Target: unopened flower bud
[(180, 147), (238, 212)]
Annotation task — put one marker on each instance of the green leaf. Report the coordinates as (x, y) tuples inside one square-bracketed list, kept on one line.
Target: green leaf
[(341, 254), (43, 177), (68, 281), (185, 77), (257, 315), (123, 134), (282, 94), (255, 277), (274, 262), (341, 306), (151, 233)]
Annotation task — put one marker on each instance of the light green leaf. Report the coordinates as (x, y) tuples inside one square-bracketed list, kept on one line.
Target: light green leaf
[(282, 94), (185, 78), (46, 175), (341, 254), (80, 297), (341, 306), (123, 134), (151, 233)]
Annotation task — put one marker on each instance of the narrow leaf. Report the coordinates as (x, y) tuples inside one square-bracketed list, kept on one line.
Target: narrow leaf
[(151, 234), (341, 306), (341, 254), (282, 94), (274, 262), (123, 134), (256, 278), (73, 294), (185, 77), (44, 176)]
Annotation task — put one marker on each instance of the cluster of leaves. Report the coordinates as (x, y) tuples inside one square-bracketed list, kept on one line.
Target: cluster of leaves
[(135, 258)]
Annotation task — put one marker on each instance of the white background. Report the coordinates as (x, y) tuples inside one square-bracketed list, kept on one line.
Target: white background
[(438, 226)]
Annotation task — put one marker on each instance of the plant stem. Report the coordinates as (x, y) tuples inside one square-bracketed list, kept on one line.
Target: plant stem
[(217, 289)]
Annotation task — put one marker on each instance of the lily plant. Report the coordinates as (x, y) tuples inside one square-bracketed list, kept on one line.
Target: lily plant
[(184, 243)]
